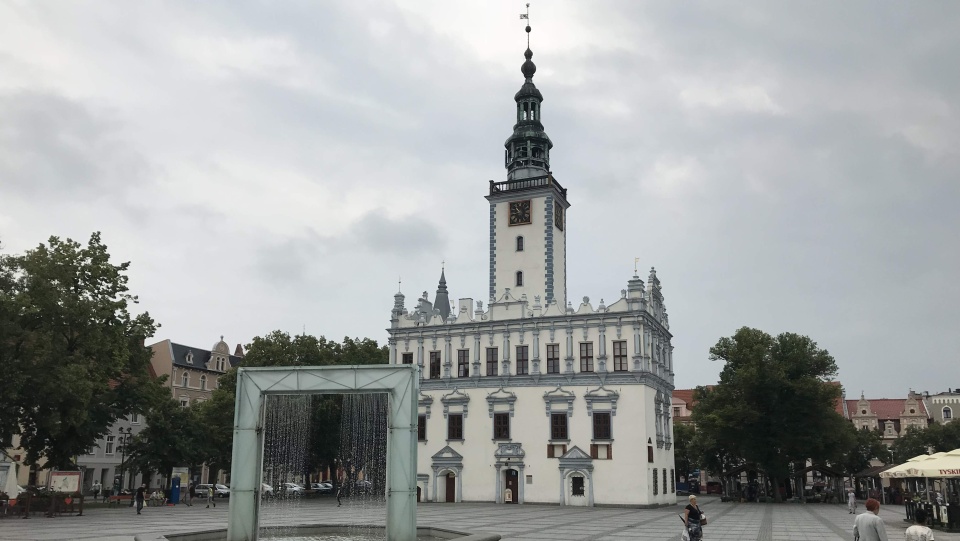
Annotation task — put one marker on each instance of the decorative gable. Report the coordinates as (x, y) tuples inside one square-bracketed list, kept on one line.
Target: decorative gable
[(602, 399), (456, 400), (559, 401), (425, 402), (501, 401), (447, 453)]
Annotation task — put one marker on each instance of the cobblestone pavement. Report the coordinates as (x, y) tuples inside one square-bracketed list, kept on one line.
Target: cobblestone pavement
[(728, 521)]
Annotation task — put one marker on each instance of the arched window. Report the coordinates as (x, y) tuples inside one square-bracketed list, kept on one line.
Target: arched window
[(185, 380), (203, 383), (947, 412), (520, 243), (519, 278)]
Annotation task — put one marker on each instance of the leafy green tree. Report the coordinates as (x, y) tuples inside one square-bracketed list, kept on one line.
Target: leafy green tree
[(684, 453), (864, 445), (173, 436), (773, 405), (942, 438), (72, 355), (912, 442)]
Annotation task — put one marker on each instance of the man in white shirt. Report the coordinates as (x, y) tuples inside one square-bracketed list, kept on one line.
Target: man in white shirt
[(869, 526), (851, 502)]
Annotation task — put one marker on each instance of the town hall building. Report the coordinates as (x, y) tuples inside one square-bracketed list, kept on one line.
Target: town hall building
[(535, 399)]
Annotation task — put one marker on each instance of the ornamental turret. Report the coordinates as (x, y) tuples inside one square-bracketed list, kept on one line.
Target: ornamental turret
[(527, 151)]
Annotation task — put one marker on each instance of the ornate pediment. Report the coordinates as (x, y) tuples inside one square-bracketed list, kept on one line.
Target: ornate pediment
[(501, 397), (425, 401), (601, 399), (447, 453), (509, 450), (457, 399), (575, 453), (559, 401)]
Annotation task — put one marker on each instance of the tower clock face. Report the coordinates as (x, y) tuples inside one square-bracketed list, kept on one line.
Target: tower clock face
[(520, 212), (558, 215)]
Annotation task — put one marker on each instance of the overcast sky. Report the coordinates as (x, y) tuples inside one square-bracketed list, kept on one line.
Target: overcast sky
[(790, 166)]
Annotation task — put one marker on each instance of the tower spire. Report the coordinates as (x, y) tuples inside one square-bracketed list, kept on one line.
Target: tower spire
[(528, 149), (442, 302)]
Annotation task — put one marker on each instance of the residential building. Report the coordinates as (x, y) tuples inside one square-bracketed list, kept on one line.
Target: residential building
[(532, 399), (943, 407), (892, 416), (192, 372)]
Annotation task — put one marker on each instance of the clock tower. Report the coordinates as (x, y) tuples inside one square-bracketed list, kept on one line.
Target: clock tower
[(528, 210)]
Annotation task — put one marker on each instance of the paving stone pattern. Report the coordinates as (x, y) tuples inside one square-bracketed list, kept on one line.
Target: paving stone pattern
[(728, 521)]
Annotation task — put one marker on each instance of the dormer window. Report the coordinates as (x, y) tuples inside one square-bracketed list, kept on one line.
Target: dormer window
[(189, 357)]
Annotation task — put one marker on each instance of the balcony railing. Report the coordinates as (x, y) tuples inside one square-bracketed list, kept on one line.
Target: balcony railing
[(525, 184)]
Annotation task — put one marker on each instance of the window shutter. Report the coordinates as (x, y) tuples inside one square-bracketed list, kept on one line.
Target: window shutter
[(549, 451), (593, 451), (564, 450), (610, 451)]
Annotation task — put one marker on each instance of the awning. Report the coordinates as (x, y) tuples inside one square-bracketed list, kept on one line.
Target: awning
[(945, 466), (873, 471), (902, 469)]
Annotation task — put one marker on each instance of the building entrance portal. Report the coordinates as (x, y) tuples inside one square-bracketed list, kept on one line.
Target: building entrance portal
[(451, 495), (512, 482)]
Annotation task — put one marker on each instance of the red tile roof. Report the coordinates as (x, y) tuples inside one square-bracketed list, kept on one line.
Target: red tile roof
[(885, 408), (686, 395)]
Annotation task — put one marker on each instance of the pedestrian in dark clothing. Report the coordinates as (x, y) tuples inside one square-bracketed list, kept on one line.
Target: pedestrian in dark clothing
[(339, 493), (692, 519), (191, 492), (140, 497)]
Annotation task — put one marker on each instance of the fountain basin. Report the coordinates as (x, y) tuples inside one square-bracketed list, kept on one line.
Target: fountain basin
[(329, 532)]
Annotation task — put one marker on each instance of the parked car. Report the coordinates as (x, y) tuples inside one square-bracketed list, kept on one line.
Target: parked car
[(322, 488), (292, 489), (266, 491), (202, 490), (221, 491), (714, 487), (362, 486)]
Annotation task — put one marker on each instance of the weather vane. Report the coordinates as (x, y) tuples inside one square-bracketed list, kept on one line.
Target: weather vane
[(635, 261), (527, 17)]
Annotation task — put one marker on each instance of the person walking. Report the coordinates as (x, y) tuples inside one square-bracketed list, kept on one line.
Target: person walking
[(919, 531), (852, 502), (339, 494), (96, 490), (140, 497), (191, 492), (210, 497), (691, 519), (869, 526)]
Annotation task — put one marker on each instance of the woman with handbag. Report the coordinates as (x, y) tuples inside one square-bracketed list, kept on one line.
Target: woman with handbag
[(694, 519)]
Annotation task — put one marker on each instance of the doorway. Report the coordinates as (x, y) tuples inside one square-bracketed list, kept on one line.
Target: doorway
[(418, 493), (451, 495), (511, 493)]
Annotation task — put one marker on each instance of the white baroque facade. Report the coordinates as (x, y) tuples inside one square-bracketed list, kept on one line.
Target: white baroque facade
[(531, 399)]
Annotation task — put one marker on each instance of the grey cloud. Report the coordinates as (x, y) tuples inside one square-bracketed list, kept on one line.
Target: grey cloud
[(58, 147)]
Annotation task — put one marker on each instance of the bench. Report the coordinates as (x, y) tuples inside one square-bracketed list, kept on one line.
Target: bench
[(116, 500)]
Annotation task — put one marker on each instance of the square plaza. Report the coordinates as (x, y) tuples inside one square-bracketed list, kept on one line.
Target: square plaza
[(728, 521)]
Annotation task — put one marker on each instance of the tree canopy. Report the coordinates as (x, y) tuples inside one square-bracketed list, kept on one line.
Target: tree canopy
[(72, 356), (774, 404)]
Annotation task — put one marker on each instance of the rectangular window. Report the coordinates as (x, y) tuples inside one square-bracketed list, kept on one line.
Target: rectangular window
[(408, 358), (553, 358), (523, 359), (455, 426), (673, 482), (434, 365), (601, 451), (586, 356), (649, 453), (556, 451), (601, 425), (491, 361), (558, 426), (422, 428), (184, 402), (135, 418), (620, 356), (463, 363), (676, 411), (577, 485), (501, 426), (656, 480), (108, 449)]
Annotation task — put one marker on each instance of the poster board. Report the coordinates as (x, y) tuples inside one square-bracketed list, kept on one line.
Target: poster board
[(8, 479), (183, 474), (66, 482)]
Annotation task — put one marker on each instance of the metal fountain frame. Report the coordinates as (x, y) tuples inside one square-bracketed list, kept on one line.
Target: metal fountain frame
[(400, 382)]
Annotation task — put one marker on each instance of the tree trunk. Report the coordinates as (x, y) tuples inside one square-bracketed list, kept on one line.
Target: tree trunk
[(776, 489)]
